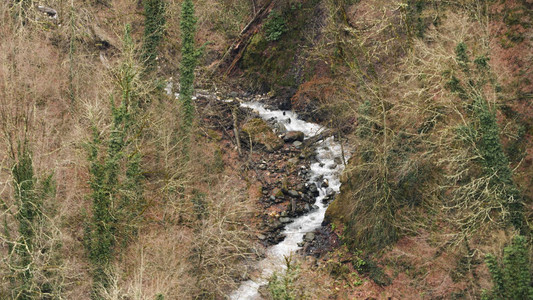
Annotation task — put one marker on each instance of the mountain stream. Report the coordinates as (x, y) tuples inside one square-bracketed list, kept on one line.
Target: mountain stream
[(324, 168)]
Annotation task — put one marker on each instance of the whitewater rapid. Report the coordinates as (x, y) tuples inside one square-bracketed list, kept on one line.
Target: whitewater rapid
[(324, 168)]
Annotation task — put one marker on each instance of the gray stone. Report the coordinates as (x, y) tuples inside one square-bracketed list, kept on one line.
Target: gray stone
[(297, 144), (285, 220), (293, 193), (279, 128), (261, 237), (301, 244), (337, 160), (283, 214), (308, 237), (272, 198), (330, 192), (332, 166)]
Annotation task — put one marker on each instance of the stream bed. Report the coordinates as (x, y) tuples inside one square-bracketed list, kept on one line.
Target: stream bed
[(325, 169)]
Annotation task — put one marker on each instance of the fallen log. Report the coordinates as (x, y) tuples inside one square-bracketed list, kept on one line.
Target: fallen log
[(322, 135)]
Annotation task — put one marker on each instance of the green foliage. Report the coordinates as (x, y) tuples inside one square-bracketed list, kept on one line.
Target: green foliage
[(281, 286), (371, 269), (27, 216), (275, 26), (484, 133), (154, 23), (462, 56), (414, 17), (36, 251), (513, 277), (116, 176), (189, 58)]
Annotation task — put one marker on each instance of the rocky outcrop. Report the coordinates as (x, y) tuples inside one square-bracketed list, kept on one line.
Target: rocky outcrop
[(257, 132)]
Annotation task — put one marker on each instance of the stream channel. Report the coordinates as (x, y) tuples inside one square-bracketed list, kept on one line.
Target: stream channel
[(324, 168)]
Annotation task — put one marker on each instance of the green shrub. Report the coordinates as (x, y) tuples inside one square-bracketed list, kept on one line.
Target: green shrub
[(512, 277), (275, 26), (281, 286)]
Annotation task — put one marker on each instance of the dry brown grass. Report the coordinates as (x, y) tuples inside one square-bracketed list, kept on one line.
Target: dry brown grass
[(35, 105)]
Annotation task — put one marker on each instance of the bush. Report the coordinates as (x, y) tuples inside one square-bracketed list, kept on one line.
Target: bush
[(281, 286), (275, 26), (512, 278)]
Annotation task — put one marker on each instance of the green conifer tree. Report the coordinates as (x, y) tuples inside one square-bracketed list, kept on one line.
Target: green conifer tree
[(189, 59), (27, 216), (116, 175), (154, 23), (512, 278)]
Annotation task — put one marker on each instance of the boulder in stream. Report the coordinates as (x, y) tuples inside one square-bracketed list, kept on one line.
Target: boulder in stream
[(293, 136)]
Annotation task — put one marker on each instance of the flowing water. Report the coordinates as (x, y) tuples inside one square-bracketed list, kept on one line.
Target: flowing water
[(324, 169)]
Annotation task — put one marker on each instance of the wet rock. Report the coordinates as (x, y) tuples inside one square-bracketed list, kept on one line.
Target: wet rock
[(283, 214), (293, 136), (297, 144), (285, 220), (337, 160), (272, 198), (279, 128), (332, 166), (307, 198), (301, 244), (325, 183), (308, 237), (330, 192), (313, 188), (293, 193)]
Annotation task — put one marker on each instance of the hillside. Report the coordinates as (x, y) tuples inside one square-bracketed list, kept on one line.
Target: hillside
[(132, 167)]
